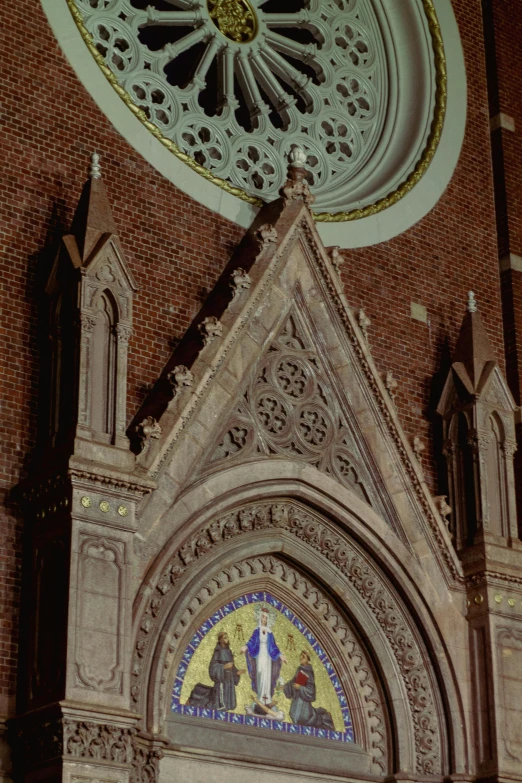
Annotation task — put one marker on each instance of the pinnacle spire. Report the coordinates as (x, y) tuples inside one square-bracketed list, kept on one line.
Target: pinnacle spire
[(473, 349), (93, 217)]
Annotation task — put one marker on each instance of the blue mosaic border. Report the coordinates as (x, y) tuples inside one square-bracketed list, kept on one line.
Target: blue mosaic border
[(249, 720)]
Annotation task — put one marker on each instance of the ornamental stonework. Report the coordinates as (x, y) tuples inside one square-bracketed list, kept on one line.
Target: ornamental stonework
[(408, 649), (289, 409)]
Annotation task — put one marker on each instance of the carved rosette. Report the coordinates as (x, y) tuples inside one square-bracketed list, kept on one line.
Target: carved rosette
[(408, 649)]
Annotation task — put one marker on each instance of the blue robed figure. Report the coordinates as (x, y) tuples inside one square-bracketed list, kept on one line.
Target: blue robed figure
[(264, 659)]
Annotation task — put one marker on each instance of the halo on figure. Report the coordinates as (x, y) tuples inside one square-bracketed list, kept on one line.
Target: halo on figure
[(261, 608)]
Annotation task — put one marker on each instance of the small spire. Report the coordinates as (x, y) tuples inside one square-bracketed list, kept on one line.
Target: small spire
[(472, 302), (296, 157), (95, 171)]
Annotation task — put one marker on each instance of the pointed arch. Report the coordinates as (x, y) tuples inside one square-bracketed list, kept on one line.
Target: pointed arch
[(103, 364), (222, 533)]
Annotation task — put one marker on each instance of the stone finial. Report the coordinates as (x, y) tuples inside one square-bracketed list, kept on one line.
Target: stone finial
[(239, 281), (296, 157), (472, 302), (95, 171), (180, 377), (364, 323), (210, 328), (296, 186), (147, 431)]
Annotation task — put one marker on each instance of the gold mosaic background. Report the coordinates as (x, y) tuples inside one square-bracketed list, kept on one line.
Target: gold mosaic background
[(282, 629)]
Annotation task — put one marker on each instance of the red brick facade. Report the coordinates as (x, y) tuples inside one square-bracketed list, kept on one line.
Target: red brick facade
[(177, 249)]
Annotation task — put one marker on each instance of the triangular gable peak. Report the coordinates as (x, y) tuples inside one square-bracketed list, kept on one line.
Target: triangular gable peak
[(282, 286)]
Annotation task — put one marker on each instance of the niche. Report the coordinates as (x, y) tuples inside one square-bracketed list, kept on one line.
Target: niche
[(103, 366)]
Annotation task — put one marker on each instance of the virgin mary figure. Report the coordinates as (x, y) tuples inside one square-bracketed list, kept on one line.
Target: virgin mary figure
[(263, 657)]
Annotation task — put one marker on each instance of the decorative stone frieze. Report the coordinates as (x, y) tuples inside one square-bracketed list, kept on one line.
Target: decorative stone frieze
[(64, 738)]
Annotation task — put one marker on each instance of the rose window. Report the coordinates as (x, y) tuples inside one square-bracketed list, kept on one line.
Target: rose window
[(234, 83)]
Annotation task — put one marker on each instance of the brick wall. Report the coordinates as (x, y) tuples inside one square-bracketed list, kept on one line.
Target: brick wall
[(176, 250)]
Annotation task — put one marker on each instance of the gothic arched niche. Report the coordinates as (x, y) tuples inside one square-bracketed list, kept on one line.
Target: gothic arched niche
[(350, 608), (104, 364)]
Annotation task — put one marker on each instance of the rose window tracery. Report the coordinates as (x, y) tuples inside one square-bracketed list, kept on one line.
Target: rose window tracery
[(233, 83)]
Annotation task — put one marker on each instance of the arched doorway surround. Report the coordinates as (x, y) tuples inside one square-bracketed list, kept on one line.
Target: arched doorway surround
[(286, 527)]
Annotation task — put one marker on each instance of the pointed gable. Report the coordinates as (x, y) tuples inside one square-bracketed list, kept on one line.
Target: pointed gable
[(275, 368)]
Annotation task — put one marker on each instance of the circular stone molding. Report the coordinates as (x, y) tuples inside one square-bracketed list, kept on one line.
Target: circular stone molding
[(372, 90)]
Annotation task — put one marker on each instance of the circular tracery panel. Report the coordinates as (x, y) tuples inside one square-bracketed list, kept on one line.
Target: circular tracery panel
[(234, 82)]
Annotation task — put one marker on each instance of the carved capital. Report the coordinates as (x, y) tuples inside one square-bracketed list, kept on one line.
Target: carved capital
[(87, 322), (509, 448)]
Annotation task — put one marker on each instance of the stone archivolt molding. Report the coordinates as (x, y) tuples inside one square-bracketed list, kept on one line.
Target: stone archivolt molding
[(289, 518)]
